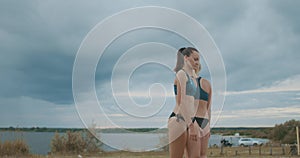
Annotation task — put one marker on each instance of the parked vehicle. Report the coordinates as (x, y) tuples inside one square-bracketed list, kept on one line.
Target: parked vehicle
[(249, 142)]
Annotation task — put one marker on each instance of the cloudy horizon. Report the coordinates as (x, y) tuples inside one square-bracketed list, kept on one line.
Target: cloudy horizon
[(258, 41)]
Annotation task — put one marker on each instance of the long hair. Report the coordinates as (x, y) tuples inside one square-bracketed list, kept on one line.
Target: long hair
[(180, 60), (180, 56)]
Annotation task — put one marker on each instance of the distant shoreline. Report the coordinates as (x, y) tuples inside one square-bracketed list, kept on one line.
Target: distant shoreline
[(126, 130)]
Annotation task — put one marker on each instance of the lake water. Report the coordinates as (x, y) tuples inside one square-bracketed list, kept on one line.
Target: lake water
[(39, 142)]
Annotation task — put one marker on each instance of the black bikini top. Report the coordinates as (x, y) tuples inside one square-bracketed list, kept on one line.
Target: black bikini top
[(201, 94)]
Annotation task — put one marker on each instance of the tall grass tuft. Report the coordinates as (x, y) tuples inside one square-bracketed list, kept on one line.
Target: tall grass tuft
[(164, 140), (58, 144), (14, 148), (74, 143)]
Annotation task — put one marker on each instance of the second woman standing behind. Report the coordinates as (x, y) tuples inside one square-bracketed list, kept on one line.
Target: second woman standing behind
[(199, 147)]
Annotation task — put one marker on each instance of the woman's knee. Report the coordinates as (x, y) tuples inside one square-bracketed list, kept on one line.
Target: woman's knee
[(203, 154)]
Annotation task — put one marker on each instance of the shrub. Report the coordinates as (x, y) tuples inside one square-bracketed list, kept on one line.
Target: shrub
[(58, 144), (14, 148), (164, 140), (286, 132), (74, 143)]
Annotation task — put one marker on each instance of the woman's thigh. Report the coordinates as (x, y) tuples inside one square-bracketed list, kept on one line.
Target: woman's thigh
[(204, 144), (177, 137)]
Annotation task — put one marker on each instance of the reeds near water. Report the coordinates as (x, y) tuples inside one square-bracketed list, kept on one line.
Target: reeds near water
[(14, 148)]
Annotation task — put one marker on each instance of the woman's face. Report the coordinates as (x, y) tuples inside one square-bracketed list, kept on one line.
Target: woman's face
[(193, 60)]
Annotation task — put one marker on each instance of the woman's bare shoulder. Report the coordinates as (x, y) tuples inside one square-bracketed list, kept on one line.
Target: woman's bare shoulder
[(206, 84), (180, 75)]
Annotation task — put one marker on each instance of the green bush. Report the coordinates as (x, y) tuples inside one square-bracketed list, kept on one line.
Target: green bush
[(286, 132)]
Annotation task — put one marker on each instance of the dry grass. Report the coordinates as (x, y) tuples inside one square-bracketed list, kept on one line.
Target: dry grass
[(263, 151), (242, 152), (14, 148), (118, 154), (71, 144), (74, 143)]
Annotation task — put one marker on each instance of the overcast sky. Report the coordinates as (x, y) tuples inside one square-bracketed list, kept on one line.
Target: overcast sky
[(258, 41)]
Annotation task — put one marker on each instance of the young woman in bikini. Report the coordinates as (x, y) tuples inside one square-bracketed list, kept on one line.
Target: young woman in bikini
[(198, 147), (185, 87)]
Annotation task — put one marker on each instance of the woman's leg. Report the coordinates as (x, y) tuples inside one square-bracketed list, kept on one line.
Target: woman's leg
[(177, 138), (204, 145), (193, 143), (176, 148)]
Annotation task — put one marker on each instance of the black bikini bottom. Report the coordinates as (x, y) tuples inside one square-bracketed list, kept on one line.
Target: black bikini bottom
[(178, 116), (202, 122)]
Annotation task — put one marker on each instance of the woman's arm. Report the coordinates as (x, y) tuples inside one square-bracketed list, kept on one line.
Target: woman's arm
[(182, 99), (209, 98)]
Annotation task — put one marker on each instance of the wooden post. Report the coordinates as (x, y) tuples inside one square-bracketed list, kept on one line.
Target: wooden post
[(249, 150), (298, 146), (259, 150), (222, 152), (283, 151)]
